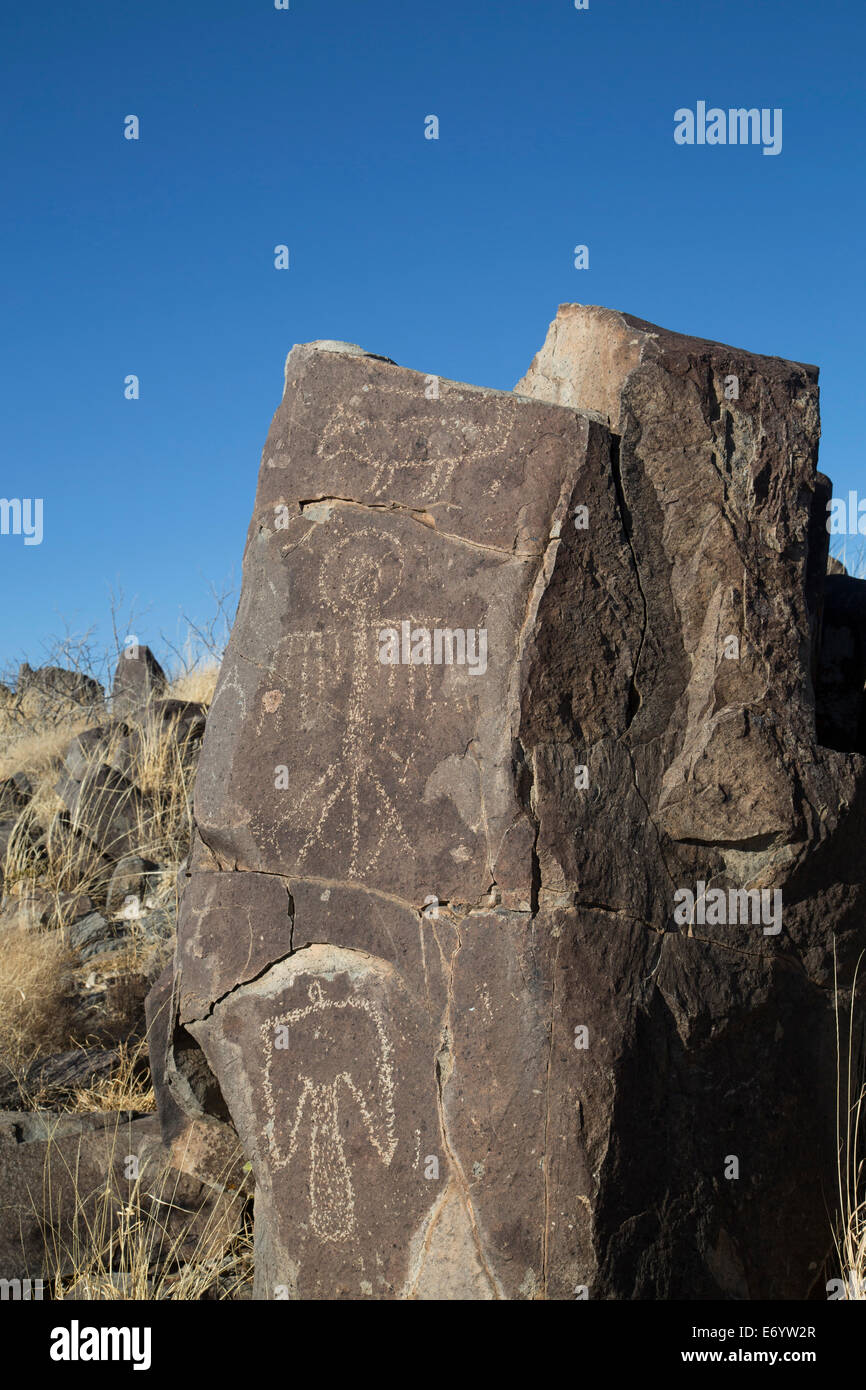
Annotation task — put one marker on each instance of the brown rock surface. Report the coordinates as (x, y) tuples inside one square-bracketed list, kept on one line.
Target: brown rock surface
[(66, 1179), (138, 678), (431, 942)]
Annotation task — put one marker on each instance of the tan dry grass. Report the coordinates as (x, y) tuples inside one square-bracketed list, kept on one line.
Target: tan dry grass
[(164, 773), (38, 751), (34, 982), (197, 685), (850, 1238), (126, 1251), (163, 770), (48, 871), (126, 1088)]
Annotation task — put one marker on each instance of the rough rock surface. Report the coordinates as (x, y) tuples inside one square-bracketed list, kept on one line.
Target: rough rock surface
[(79, 870), (66, 1177), (52, 692), (105, 810), (138, 678), (432, 942)]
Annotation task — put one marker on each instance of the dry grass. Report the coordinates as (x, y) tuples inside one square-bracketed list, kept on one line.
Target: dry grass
[(57, 854), (198, 684), (34, 981), (51, 864), (164, 772), (125, 1241), (37, 751), (129, 1086), (146, 1246), (37, 744), (850, 1239)]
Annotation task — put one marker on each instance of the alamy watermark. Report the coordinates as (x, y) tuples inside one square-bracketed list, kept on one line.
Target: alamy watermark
[(22, 516), (77, 1343), (846, 517), (443, 646), (25, 1290), (732, 906), (736, 126)]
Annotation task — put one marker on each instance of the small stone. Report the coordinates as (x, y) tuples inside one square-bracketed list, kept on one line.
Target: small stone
[(130, 880)]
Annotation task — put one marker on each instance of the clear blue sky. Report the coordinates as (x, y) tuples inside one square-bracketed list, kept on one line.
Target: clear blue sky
[(306, 127)]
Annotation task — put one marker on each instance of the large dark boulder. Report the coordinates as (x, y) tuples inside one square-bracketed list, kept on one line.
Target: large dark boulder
[(475, 951)]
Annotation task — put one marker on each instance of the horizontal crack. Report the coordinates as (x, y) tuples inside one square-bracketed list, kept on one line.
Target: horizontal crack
[(458, 911), (423, 516)]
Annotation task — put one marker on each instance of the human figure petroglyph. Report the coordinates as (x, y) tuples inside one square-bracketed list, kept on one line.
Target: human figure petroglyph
[(332, 1023), (360, 573)]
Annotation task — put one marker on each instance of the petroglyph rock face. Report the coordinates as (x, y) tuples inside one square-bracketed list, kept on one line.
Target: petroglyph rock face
[(379, 524), (479, 725)]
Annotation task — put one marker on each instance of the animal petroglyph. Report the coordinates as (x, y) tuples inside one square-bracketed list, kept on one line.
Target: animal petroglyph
[(438, 453), (349, 1033)]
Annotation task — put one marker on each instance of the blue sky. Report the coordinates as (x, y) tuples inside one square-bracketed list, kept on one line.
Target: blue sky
[(306, 127)]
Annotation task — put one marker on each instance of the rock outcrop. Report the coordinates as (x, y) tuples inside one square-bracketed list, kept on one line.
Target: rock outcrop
[(73, 822), (78, 1193), (508, 932), (52, 693), (107, 811), (138, 679)]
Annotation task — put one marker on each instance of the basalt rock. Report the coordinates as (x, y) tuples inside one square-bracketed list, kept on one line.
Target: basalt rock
[(52, 693), (513, 678), (103, 802), (14, 795), (63, 1177), (138, 678), (55, 1078), (130, 883), (106, 808), (91, 935)]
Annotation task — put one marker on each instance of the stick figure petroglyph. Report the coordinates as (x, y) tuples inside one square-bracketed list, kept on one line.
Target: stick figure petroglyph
[(338, 1034), (358, 578)]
